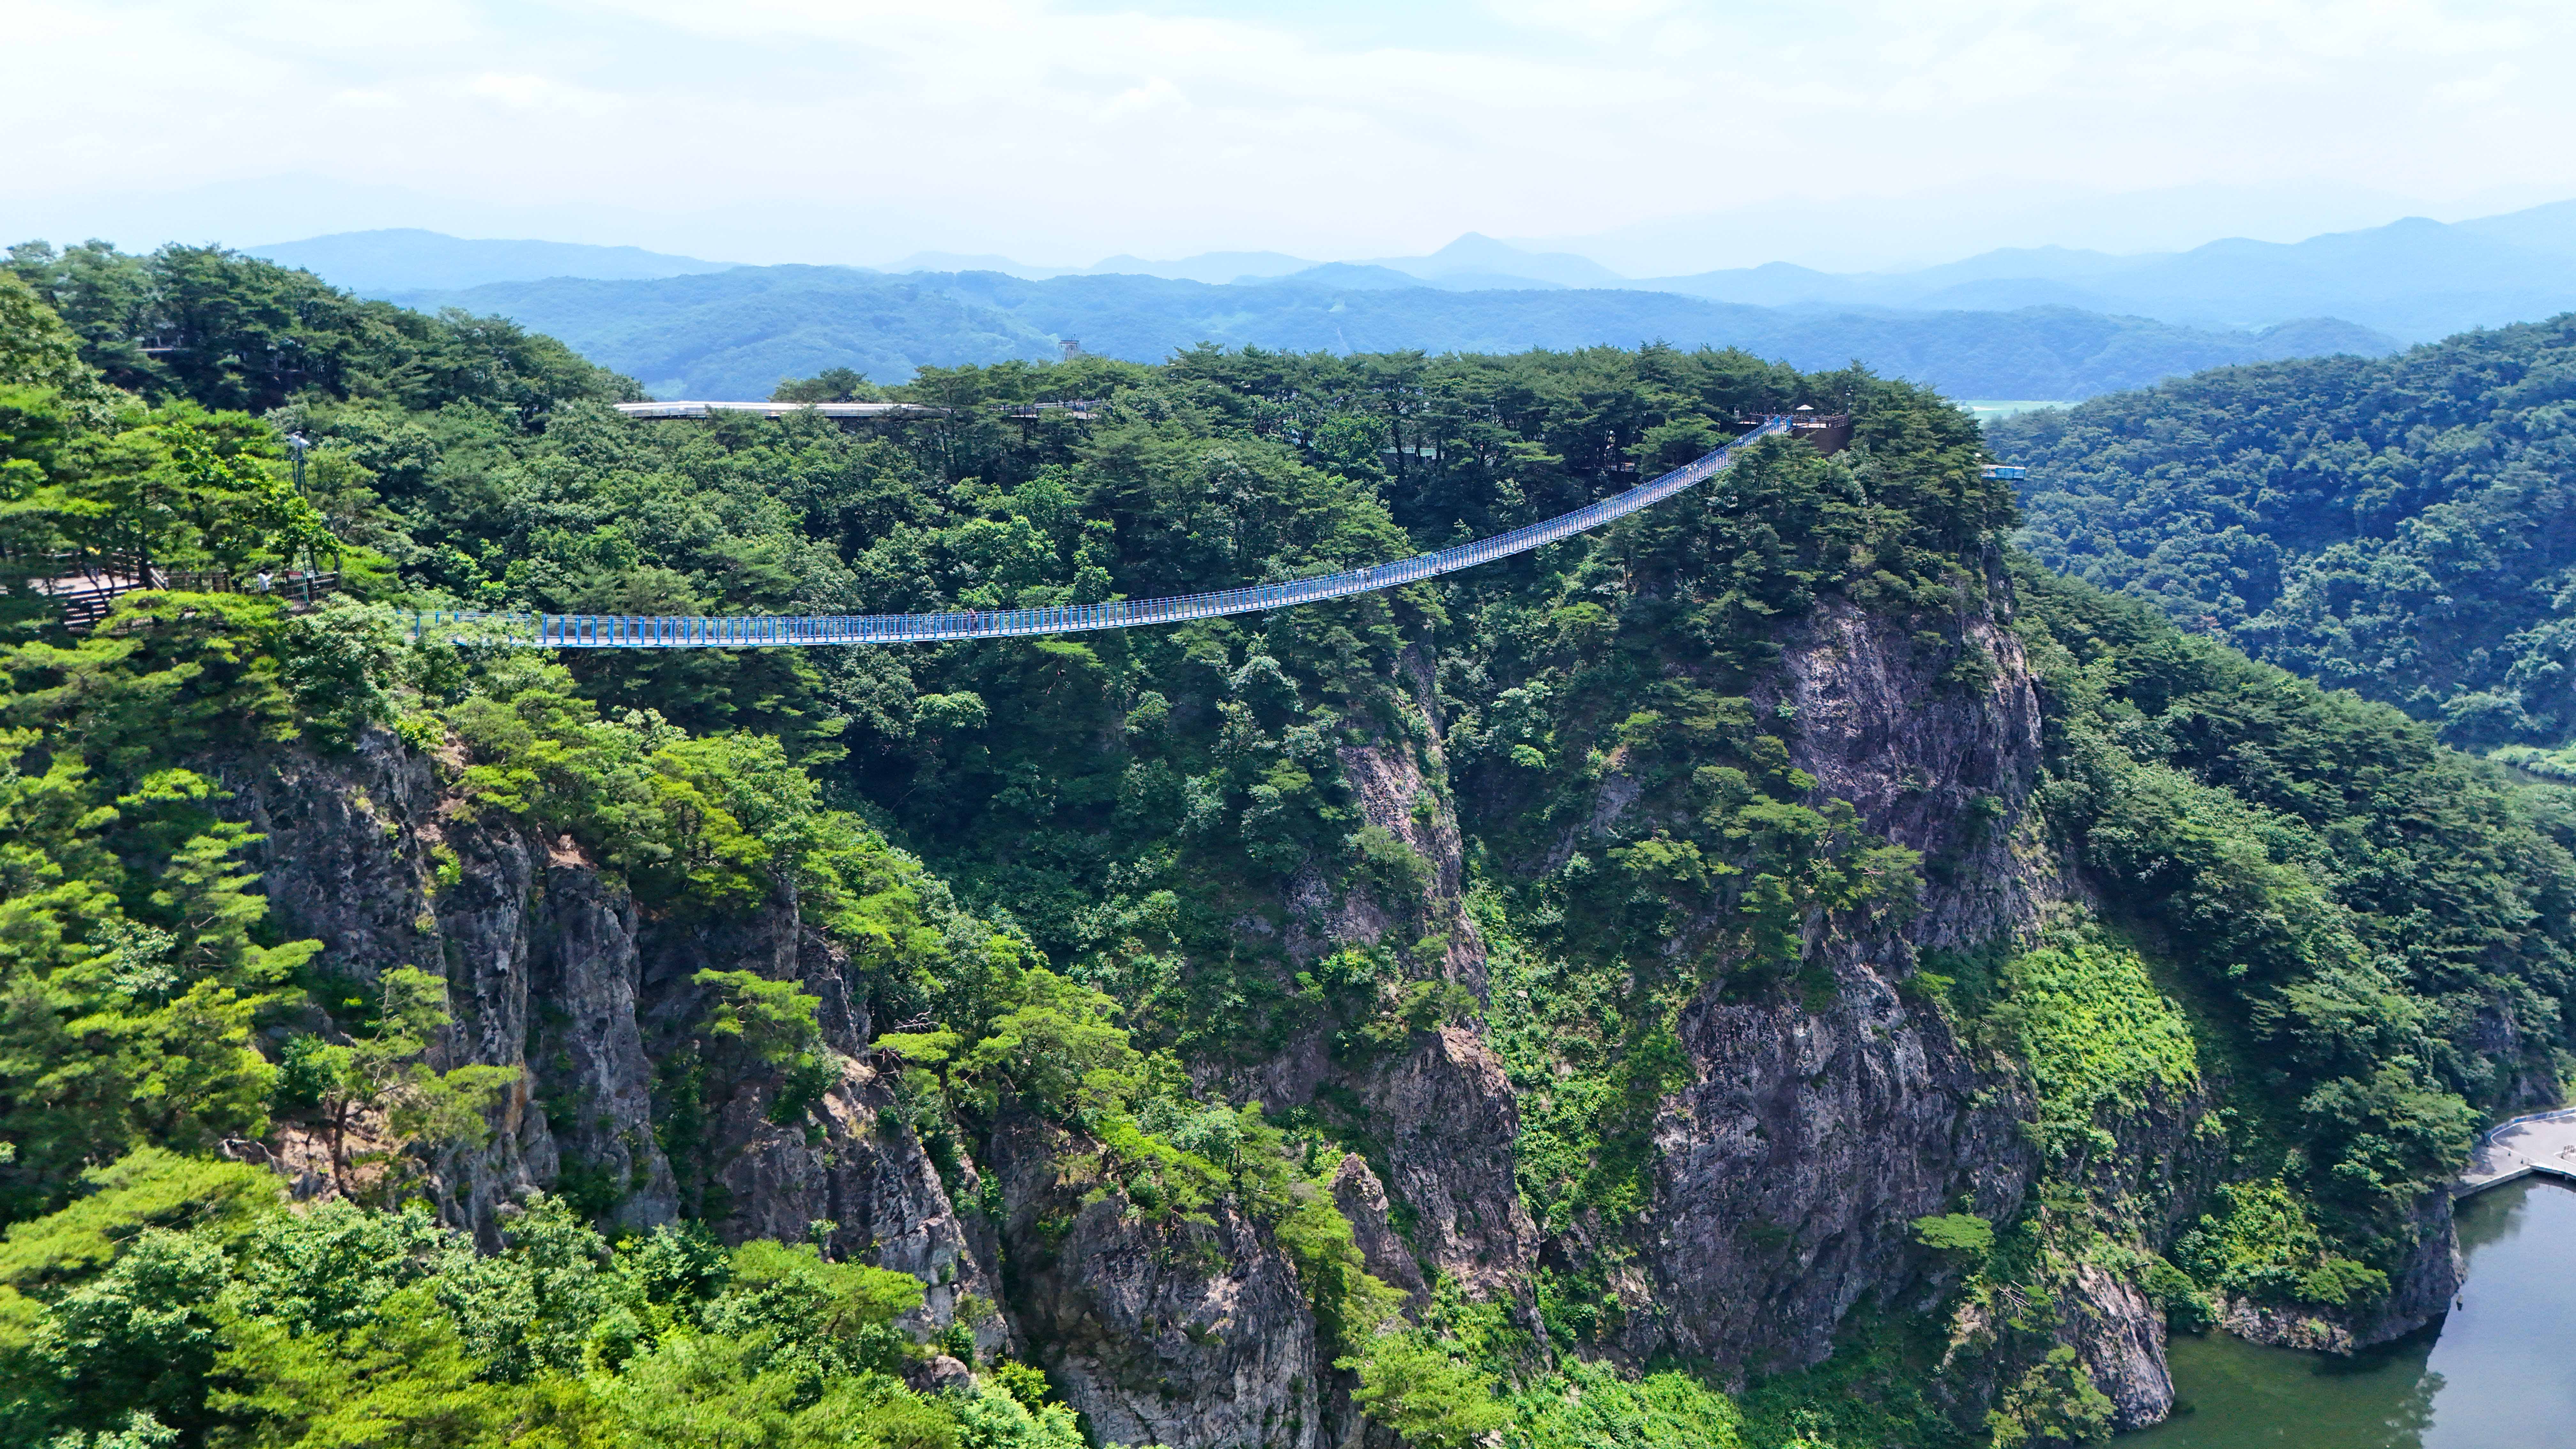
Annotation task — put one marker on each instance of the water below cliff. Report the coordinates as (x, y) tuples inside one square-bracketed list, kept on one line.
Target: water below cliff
[(2497, 1372)]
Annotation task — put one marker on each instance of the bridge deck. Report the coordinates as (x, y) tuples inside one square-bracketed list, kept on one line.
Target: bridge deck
[(650, 410), (740, 631)]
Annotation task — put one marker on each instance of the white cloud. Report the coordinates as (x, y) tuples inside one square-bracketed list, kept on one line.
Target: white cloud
[(1157, 94), (542, 93), (1062, 133), (2496, 84)]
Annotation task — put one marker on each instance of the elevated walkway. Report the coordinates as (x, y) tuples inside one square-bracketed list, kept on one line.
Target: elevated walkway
[(2543, 1145), (754, 631), (652, 410)]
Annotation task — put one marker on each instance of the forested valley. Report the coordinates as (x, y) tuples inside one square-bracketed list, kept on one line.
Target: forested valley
[(1786, 970), (2400, 527)]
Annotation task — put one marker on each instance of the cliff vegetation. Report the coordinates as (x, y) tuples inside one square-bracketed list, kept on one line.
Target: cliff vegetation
[(1785, 970)]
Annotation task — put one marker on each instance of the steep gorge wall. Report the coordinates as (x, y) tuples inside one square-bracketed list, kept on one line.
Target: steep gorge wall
[(1812, 1134), (552, 968), (1163, 1334), (1792, 1163)]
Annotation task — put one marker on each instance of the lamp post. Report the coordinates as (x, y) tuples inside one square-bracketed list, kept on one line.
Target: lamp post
[(297, 445)]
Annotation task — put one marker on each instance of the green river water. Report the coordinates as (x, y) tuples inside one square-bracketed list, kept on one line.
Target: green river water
[(2499, 1373)]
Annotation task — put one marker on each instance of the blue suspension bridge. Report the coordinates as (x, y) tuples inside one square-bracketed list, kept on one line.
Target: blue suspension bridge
[(761, 631)]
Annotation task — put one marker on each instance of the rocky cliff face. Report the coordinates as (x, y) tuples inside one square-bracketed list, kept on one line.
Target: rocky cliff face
[(2420, 1292), (1810, 1140), (1164, 1332), (1918, 746), (1163, 1336), (1812, 1136), (1809, 1135), (551, 968), (1794, 1165), (1441, 1109)]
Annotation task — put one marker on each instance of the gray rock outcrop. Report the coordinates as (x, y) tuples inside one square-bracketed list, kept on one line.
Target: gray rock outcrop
[(1811, 1127)]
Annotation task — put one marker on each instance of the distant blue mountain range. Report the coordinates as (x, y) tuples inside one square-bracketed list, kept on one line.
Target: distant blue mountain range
[(2414, 279), (407, 259), (736, 333), (2043, 322)]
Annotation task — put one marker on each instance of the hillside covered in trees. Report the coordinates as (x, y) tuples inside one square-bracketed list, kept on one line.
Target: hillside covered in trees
[(1782, 971), (2399, 527)]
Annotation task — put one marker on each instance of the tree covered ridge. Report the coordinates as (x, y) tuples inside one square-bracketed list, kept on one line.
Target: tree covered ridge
[(2381, 926), (1066, 866), (2399, 527), (231, 332)]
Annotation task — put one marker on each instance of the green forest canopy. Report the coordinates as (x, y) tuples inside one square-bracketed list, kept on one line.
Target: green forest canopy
[(1054, 840), (2400, 527)]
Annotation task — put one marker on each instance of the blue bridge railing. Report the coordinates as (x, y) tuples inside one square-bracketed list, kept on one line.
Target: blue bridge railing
[(759, 631)]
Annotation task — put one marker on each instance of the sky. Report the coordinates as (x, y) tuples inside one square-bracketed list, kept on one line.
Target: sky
[(1655, 135)]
